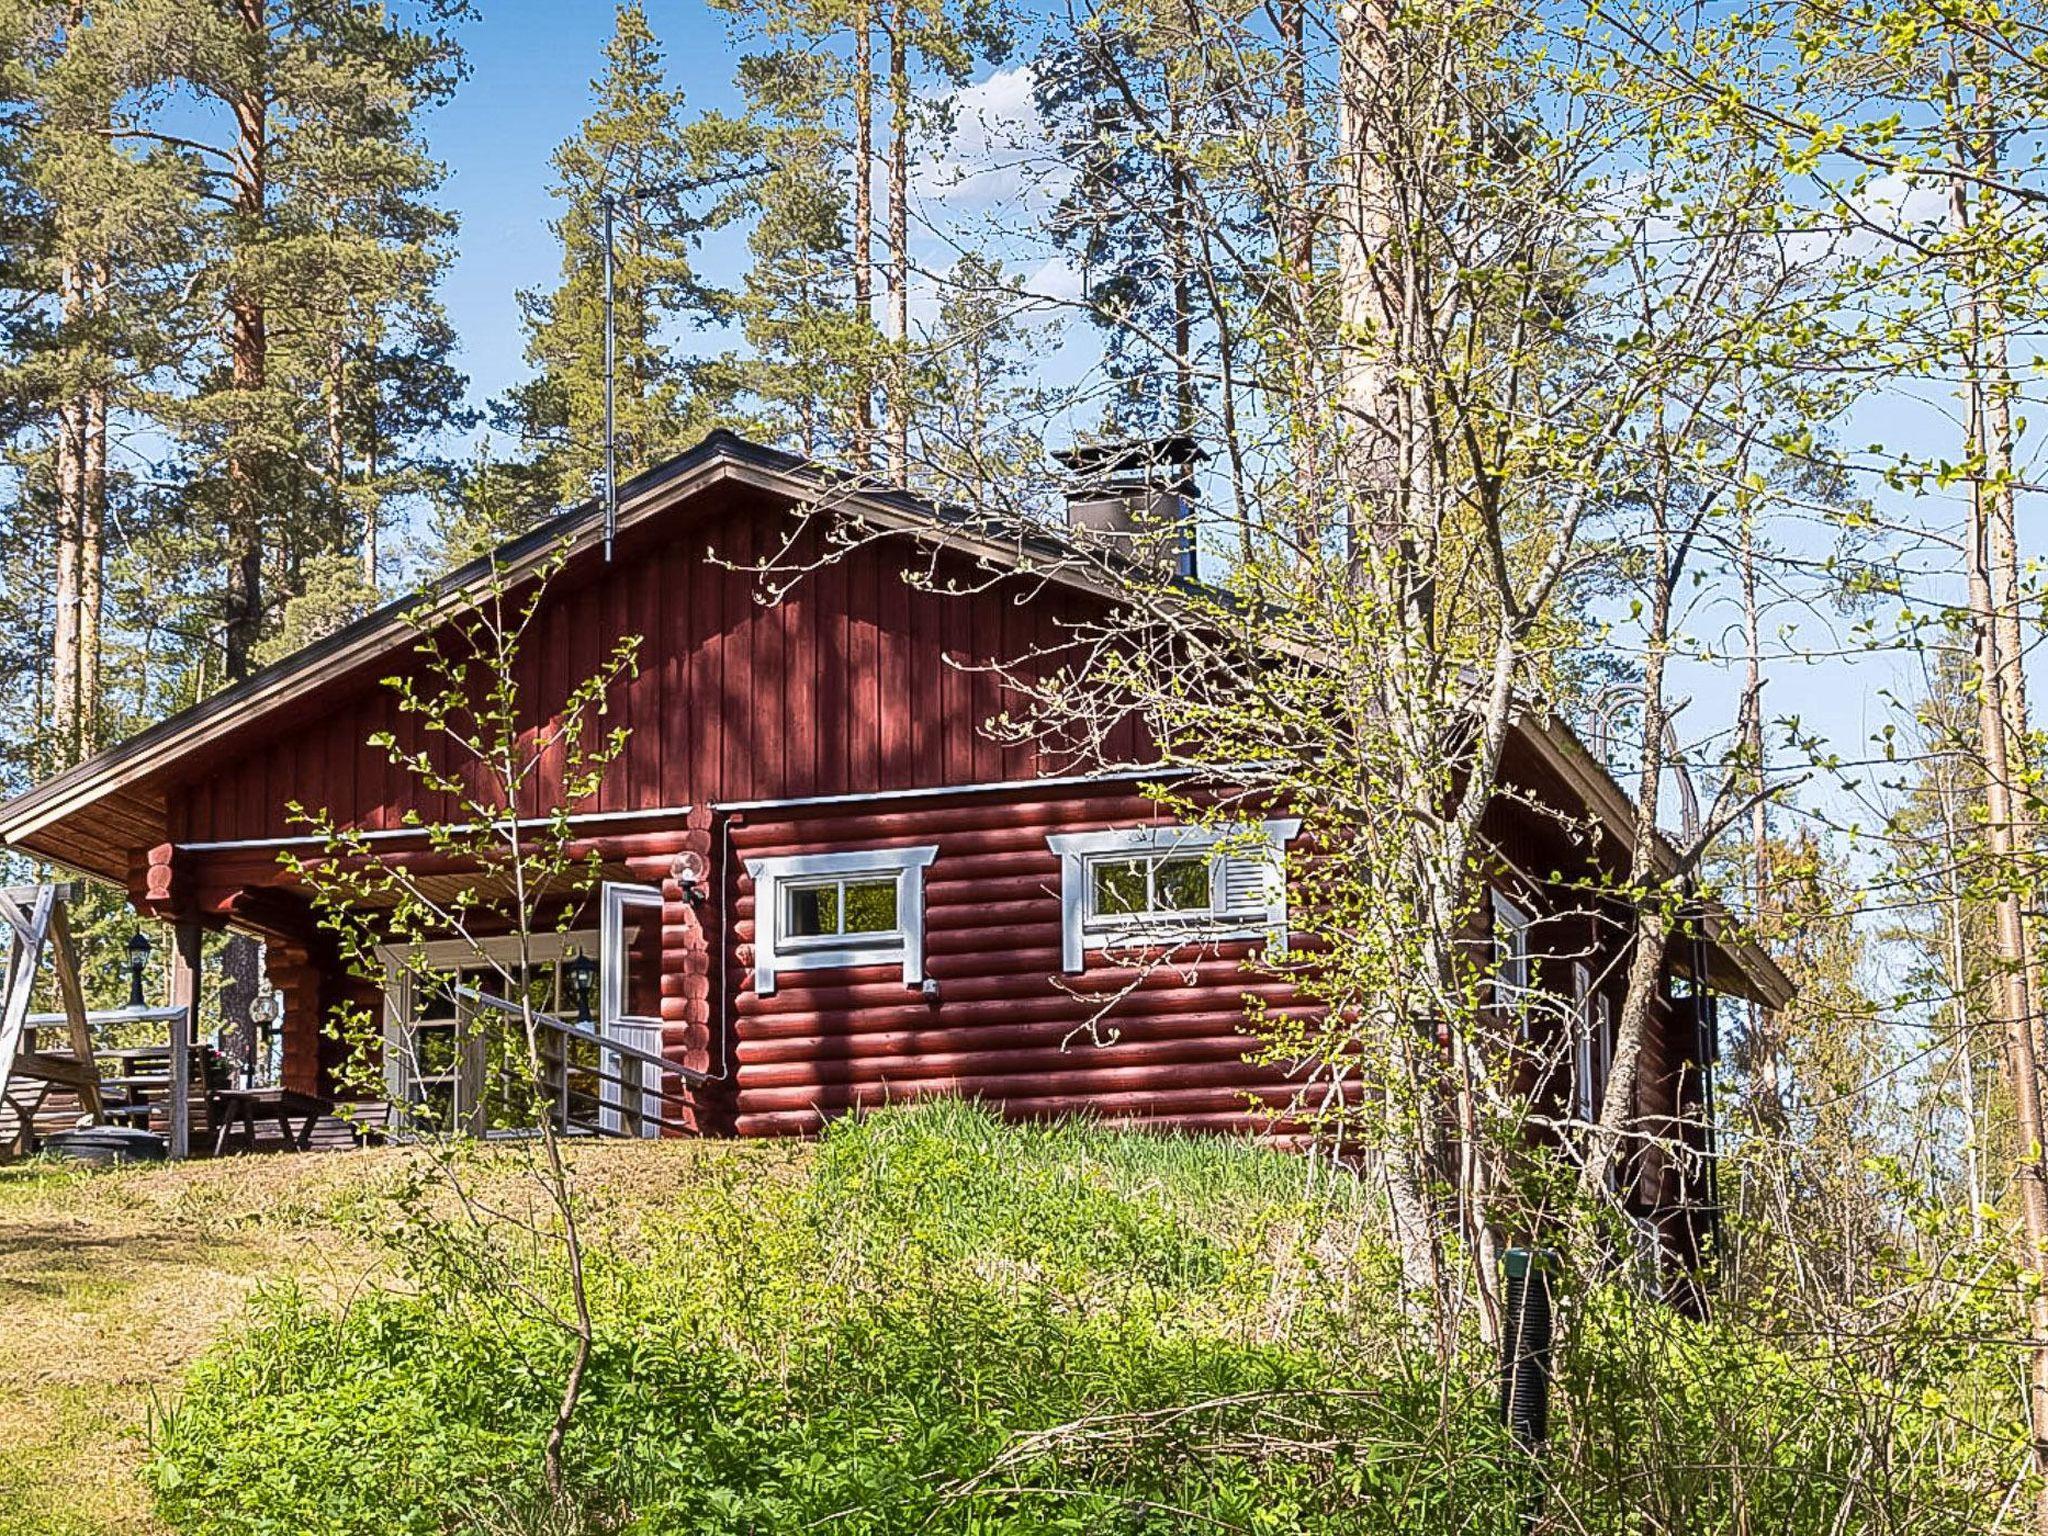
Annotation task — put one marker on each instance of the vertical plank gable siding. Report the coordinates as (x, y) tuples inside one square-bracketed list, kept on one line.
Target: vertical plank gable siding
[(1006, 1026), (856, 682)]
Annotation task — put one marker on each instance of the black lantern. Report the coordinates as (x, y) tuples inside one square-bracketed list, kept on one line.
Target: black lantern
[(138, 962), (582, 970)]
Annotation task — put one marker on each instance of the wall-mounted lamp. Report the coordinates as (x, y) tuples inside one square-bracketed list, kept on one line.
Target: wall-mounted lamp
[(688, 872), (138, 962), (581, 971)]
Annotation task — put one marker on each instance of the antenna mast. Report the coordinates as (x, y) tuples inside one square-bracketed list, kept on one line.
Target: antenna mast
[(611, 442)]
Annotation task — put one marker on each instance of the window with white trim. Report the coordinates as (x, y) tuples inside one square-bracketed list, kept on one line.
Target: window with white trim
[(1164, 885), (816, 910), (1514, 971), (1585, 1086)]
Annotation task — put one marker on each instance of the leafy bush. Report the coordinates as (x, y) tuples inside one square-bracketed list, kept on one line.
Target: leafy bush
[(951, 1325)]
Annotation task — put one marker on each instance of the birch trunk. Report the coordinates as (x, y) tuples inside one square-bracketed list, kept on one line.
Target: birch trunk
[(1651, 942), (863, 227), (1990, 325), (1367, 263), (899, 244), (2011, 993)]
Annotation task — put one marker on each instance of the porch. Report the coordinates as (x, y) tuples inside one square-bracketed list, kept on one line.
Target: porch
[(182, 1078)]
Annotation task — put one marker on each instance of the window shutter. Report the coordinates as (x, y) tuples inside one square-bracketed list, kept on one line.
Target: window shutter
[(1245, 883)]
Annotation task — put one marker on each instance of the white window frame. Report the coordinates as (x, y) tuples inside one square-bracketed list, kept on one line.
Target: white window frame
[(1603, 1043), (1514, 970), (1082, 930), (1584, 1052), (775, 951)]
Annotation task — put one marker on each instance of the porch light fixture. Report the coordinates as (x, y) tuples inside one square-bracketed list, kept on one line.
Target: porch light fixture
[(687, 870), (138, 961), (581, 971)]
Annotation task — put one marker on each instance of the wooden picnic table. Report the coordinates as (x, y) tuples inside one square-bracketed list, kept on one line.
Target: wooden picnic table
[(141, 1088), (283, 1105)]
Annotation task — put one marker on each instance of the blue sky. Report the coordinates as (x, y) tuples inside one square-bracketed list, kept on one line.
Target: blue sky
[(531, 63)]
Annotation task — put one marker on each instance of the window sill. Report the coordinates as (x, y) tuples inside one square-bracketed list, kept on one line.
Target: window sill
[(824, 959), (1158, 934)]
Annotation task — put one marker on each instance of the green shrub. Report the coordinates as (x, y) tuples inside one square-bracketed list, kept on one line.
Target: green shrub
[(951, 1325)]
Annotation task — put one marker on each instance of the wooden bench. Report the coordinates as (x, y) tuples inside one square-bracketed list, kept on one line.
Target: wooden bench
[(135, 1085), (284, 1105)]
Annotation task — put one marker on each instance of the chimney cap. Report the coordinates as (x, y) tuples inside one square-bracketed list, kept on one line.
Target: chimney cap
[(1122, 456)]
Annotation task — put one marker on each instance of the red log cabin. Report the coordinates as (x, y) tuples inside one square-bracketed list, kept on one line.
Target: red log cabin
[(827, 885)]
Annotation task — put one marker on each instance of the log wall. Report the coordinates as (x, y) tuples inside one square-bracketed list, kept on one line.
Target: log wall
[(1006, 1026)]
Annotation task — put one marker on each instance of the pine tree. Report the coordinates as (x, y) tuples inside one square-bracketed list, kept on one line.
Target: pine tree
[(1115, 107), (974, 436), (98, 272), (806, 375), (813, 102), (631, 151), (322, 221), (934, 47)]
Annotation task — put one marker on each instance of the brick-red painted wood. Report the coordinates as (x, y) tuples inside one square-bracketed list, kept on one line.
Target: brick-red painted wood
[(852, 683), (1007, 1025), (845, 685)]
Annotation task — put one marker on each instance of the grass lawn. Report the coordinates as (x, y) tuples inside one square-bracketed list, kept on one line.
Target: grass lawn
[(111, 1282)]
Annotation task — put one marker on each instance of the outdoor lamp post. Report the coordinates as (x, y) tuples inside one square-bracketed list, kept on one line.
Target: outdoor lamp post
[(582, 970), (138, 961)]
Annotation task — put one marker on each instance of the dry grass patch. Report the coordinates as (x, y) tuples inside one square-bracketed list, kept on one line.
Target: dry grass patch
[(112, 1282)]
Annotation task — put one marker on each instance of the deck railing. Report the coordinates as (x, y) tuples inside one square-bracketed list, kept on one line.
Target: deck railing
[(631, 1096)]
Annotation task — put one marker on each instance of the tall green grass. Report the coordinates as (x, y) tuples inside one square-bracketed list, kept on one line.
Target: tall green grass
[(948, 1324)]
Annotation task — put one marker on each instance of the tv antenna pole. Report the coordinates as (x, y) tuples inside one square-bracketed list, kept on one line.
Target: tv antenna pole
[(611, 439)]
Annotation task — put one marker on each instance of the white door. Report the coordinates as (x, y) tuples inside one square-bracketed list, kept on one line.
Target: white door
[(627, 913)]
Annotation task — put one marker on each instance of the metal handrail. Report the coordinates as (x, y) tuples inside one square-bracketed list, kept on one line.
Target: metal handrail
[(578, 1032), (167, 1014), (606, 1046)]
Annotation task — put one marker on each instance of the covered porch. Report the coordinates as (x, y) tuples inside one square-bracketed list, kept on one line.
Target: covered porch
[(232, 1037)]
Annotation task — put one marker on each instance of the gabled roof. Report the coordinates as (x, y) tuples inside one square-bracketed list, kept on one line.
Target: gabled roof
[(721, 457), (118, 785)]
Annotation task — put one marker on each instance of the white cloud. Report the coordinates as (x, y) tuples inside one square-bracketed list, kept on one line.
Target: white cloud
[(1888, 205), (999, 155), (1055, 278)]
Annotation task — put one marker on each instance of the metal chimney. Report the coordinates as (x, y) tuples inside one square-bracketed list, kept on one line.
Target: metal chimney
[(1136, 497)]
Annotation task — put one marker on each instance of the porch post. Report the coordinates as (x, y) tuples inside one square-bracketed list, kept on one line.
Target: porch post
[(185, 952)]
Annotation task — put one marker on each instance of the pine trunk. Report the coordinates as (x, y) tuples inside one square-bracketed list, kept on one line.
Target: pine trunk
[(70, 528), (247, 362), (92, 560), (863, 229)]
